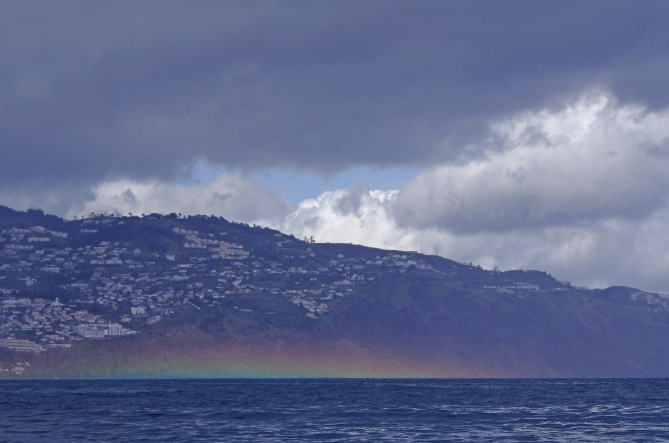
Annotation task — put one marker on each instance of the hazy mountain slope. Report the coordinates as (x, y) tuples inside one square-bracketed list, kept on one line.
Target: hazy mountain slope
[(285, 307)]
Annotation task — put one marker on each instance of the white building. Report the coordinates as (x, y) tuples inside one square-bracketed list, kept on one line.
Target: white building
[(99, 331)]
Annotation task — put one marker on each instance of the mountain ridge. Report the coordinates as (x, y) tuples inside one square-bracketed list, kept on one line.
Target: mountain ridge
[(201, 296)]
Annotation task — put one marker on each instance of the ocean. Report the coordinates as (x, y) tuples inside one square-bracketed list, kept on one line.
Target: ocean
[(335, 410)]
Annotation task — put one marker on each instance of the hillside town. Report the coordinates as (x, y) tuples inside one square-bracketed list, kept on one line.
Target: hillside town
[(110, 288), (117, 276)]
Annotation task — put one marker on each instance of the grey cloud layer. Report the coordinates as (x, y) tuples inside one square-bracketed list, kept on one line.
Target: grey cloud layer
[(92, 91), (108, 106), (235, 197)]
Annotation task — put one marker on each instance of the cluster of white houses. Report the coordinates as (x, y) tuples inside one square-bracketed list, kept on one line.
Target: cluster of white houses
[(50, 322), (220, 248)]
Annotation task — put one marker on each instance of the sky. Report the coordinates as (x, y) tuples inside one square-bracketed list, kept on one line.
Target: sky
[(510, 134)]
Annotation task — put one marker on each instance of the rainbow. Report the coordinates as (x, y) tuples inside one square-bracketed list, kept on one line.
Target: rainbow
[(251, 358)]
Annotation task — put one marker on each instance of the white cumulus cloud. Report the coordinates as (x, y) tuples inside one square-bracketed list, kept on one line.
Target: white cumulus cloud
[(590, 160), (579, 192), (235, 197)]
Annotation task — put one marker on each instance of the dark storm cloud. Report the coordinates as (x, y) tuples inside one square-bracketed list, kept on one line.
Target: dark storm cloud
[(97, 90)]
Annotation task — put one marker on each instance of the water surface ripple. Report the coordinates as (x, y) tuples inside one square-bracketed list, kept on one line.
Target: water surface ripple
[(339, 410)]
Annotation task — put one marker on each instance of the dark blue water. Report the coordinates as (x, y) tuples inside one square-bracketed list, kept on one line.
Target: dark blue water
[(334, 411)]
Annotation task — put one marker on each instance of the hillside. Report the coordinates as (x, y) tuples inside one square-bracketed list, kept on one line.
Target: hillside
[(199, 296)]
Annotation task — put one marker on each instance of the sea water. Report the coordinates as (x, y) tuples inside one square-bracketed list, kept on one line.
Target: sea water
[(334, 410)]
